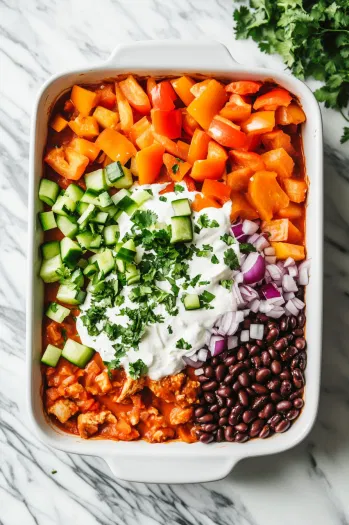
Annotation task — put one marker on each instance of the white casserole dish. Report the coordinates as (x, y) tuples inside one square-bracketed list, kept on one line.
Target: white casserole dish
[(175, 462)]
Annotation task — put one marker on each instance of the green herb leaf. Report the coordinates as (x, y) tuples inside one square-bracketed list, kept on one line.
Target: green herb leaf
[(183, 345), (345, 135), (246, 247), (54, 307), (137, 369), (205, 222), (214, 259), (230, 259), (178, 187), (162, 198), (169, 329), (228, 239), (53, 471), (175, 168), (144, 218), (227, 283)]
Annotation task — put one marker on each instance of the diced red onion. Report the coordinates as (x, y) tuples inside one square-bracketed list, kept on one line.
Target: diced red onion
[(261, 243), (289, 284), (281, 267), (254, 306), (270, 291), (224, 322), (288, 295), (199, 371), (274, 271), (291, 307), (217, 345), (190, 362), (232, 342), (252, 239), (270, 259), (256, 331), (276, 312), (277, 302), (269, 251), (265, 307), (289, 262), (298, 303), (303, 276), (293, 271), (246, 312), (239, 278), (202, 354), (304, 264), (248, 293), (253, 268), (249, 227), (237, 295), (244, 336), (238, 232)]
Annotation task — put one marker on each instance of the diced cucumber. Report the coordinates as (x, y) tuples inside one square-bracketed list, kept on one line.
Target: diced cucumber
[(67, 225), (90, 270), (96, 242), (181, 207), (105, 261), (191, 301), (127, 251), (121, 266), (51, 355), (93, 259), (117, 197), (100, 227), (105, 200), (111, 234), (88, 213), (141, 196), (50, 249), (81, 207), (74, 192), (49, 267), (82, 263), (101, 217), (133, 275), (64, 206), (112, 211), (114, 172), (127, 204), (70, 294), (182, 229), (48, 221), (48, 191), (70, 252), (96, 180), (77, 278), (90, 197), (126, 181), (77, 353), (84, 239), (57, 312)]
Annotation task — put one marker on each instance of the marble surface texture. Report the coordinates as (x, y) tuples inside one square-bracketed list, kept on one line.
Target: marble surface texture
[(309, 484)]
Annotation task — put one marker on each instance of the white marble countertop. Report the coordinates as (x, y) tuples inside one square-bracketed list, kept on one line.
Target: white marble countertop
[(308, 484)]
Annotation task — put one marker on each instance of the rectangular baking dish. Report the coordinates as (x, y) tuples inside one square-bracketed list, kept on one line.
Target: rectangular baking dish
[(175, 462)]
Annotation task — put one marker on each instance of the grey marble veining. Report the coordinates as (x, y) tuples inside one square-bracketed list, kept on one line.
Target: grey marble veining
[(309, 484)]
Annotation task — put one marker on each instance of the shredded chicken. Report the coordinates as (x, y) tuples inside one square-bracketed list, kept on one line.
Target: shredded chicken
[(103, 382), (178, 415), (130, 387), (178, 388), (88, 423), (63, 409)]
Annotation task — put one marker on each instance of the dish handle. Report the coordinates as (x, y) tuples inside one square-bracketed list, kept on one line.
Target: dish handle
[(186, 469), (196, 55)]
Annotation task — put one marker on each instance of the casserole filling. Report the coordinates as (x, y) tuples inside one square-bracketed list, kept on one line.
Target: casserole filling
[(174, 260)]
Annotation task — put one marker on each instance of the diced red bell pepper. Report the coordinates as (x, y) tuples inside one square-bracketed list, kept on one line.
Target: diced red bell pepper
[(259, 122), (182, 150), (135, 94), (167, 123), (226, 133), (199, 146), (217, 190), (182, 87), (189, 124), (67, 162), (163, 95), (292, 211), (190, 183), (149, 162), (236, 109), (139, 128), (207, 169), (151, 83), (243, 87), (273, 99), (106, 96), (216, 151)]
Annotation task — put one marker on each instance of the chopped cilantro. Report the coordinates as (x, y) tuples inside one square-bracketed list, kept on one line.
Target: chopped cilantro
[(227, 283), (53, 471), (214, 259), (144, 218), (112, 365), (205, 222), (246, 247), (137, 369), (183, 345), (230, 259), (169, 329), (149, 191), (54, 307), (64, 275), (178, 187), (64, 334), (162, 198), (228, 239), (91, 318), (175, 168), (206, 298)]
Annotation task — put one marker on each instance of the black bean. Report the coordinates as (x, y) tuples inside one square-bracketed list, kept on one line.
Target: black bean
[(264, 433), (273, 353), (285, 375), (262, 318), (214, 408), (298, 403), (284, 324), (237, 369), (256, 361), (246, 323), (272, 335), (224, 412), (280, 344), (230, 360), (241, 427), (200, 411), (221, 372), (298, 332), (249, 391), (259, 402), (202, 378), (237, 386), (300, 343), (283, 406), (233, 420), (229, 379), (268, 411), (242, 353), (220, 435), (207, 418), (210, 397), (206, 438), (260, 343), (254, 351), (293, 322), (275, 367), (263, 375), (266, 359), (208, 371), (241, 438), (221, 401), (222, 421), (209, 427), (275, 397), (298, 378), (229, 433), (211, 385), (286, 388), (282, 426), (243, 397), (292, 414), (256, 427), (244, 379), (301, 320), (275, 420), (230, 402), (215, 361), (225, 391), (249, 416), (259, 389)]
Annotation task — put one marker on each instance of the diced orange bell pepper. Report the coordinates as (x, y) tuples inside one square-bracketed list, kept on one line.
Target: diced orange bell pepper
[(182, 87), (273, 99), (139, 128), (105, 117), (163, 95), (208, 103), (247, 159), (189, 124), (133, 167), (67, 162), (182, 150), (149, 162), (266, 194), (85, 127), (295, 189), (216, 190), (282, 230), (280, 161), (200, 202), (238, 179), (207, 169), (176, 168), (259, 122), (190, 183), (278, 139), (252, 143), (124, 109), (83, 99), (168, 189), (236, 109), (146, 139), (244, 87), (58, 123), (116, 145), (135, 94), (167, 123), (226, 133), (85, 147), (293, 114), (216, 151), (199, 146), (106, 96), (169, 145), (292, 211), (284, 250), (199, 87), (241, 207), (151, 84)]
